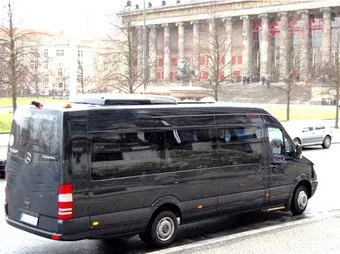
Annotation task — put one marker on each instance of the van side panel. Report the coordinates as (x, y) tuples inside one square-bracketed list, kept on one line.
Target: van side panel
[(144, 156)]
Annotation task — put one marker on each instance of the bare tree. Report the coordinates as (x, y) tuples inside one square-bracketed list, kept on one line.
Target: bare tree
[(290, 66), (217, 47), (84, 78), (38, 70), (124, 68), (16, 45), (331, 74)]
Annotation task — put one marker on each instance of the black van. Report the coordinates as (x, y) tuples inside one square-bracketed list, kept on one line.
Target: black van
[(109, 166)]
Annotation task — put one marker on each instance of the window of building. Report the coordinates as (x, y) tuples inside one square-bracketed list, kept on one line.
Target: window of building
[(174, 62), (34, 64), (221, 60), (46, 63), (173, 75), (46, 79), (60, 52), (160, 75), (45, 52), (60, 72), (203, 60), (239, 59), (221, 75), (160, 62), (60, 85), (95, 66), (105, 65), (233, 60), (204, 75), (80, 53)]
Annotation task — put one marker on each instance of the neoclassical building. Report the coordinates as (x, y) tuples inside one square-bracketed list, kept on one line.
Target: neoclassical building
[(256, 31)]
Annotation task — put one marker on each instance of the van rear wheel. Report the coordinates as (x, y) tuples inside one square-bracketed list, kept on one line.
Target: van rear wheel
[(162, 230), (300, 200)]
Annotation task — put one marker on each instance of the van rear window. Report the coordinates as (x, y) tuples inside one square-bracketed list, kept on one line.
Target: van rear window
[(36, 131)]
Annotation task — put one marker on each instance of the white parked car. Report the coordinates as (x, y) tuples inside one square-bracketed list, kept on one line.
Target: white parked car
[(309, 132)]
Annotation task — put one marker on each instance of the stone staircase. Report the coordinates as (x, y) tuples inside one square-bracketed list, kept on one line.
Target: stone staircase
[(258, 93)]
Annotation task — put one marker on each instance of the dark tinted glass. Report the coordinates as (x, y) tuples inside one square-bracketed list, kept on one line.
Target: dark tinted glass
[(37, 131), (190, 149), (238, 118), (239, 145), (127, 154)]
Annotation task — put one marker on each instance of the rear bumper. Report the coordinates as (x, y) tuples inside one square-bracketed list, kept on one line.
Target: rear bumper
[(48, 234)]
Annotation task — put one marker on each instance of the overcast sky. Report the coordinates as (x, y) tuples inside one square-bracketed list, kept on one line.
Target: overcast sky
[(87, 17)]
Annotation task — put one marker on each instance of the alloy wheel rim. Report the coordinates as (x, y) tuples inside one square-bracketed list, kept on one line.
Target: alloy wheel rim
[(165, 228), (302, 200)]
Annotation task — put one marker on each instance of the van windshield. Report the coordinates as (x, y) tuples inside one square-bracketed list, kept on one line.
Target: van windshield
[(36, 131)]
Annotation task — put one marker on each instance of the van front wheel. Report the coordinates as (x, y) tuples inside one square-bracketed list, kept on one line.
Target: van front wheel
[(162, 231), (300, 200)]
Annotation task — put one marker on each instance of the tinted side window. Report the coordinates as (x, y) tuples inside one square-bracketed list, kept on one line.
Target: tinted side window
[(127, 154), (280, 145), (239, 145), (190, 149)]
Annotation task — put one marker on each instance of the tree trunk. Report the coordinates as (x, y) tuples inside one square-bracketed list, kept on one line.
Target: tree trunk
[(288, 108), (337, 106)]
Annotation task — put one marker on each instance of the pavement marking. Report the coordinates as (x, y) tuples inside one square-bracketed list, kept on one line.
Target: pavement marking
[(221, 239)]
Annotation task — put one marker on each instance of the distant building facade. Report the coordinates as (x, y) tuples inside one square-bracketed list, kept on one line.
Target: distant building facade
[(256, 32)]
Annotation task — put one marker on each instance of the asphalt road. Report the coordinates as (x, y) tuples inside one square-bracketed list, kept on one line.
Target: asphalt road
[(234, 228)]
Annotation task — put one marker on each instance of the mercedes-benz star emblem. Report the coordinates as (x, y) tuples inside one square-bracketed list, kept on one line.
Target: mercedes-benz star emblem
[(28, 157)]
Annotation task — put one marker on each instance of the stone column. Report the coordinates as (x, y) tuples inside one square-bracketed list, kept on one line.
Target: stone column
[(264, 46), (228, 48), (167, 55), (326, 36), (305, 42), (140, 68), (152, 53), (246, 54), (180, 41), (212, 46), (284, 47), (196, 48)]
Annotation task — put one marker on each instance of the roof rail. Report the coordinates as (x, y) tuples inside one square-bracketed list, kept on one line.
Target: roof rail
[(122, 99)]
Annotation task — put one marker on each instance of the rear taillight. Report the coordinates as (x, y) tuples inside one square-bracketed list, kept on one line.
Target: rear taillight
[(65, 202)]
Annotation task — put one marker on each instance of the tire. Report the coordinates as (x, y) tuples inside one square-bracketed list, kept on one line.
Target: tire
[(299, 201), (297, 141), (162, 230), (326, 142)]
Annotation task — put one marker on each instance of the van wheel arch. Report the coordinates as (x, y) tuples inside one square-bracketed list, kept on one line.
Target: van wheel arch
[(308, 186), (145, 236)]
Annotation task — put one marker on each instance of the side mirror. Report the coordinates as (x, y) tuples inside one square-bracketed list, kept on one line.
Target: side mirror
[(298, 153)]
